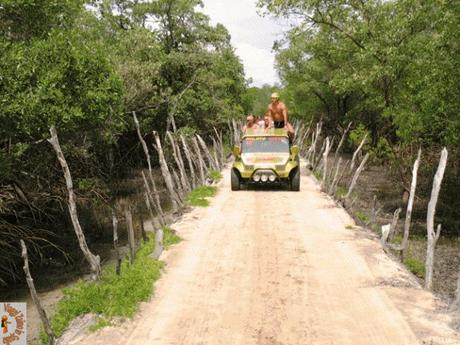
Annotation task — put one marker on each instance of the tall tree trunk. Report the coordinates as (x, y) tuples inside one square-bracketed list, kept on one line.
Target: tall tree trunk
[(93, 260)]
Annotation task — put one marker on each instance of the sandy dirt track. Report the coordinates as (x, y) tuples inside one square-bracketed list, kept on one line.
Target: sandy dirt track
[(279, 267)]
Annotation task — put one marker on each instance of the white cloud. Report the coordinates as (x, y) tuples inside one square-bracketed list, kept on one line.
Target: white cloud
[(252, 36)]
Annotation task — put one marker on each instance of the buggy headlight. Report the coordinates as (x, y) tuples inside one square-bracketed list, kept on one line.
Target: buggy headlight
[(264, 178), (256, 178), (272, 178)]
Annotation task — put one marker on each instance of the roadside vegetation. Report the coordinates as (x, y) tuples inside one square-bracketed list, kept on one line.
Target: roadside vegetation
[(390, 68), (385, 73), (114, 295), (85, 67), (215, 175), (199, 196)]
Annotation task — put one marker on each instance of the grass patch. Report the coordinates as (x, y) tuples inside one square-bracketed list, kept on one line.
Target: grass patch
[(375, 228), (100, 323), (416, 267), (317, 174), (198, 196), (169, 237), (362, 217), (349, 227), (113, 295), (340, 192), (215, 175)]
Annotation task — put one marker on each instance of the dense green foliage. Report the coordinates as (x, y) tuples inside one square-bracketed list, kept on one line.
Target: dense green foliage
[(391, 67), (85, 66)]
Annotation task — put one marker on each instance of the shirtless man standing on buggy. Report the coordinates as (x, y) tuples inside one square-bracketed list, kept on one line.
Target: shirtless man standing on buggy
[(278, 114)]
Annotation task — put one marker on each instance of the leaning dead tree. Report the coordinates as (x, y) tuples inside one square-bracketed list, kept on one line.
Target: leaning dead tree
[(155, 194), (35, 299), (336, 175), (93, 260), (176, 201), (312, 150), (179, 162), (355, 154), (153, 200), (356, 175), (200, 161), (212, 165), (433, 236), (342, 140), (188, 156)]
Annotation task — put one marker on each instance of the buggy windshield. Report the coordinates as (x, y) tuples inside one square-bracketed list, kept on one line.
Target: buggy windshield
[(265, 144)]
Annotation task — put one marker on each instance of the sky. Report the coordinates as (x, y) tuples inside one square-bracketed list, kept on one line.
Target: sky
[(252, 36)]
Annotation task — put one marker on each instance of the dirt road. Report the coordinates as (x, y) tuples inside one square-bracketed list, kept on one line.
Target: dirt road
[(280, 267)]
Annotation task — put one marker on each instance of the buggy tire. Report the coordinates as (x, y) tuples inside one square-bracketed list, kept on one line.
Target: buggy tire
[(235, 180), (295, 180)]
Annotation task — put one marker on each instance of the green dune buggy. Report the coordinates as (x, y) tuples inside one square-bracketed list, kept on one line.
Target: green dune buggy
[(265, 157)]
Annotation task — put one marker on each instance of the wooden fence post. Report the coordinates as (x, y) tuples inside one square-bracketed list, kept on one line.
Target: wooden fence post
[(93, 260), (188, 156), (336, 174), (131, 240), (342, 140), (35, 299), (356, 175), (154, 201), (201, 164), (410, 205), (212, 165), (149, 164), (143, 233), (167, 174), (456, 303), (433, 236), (115, 243), (179, 162), (394, 224), (158, 244), (325, 155), (355, 154)]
